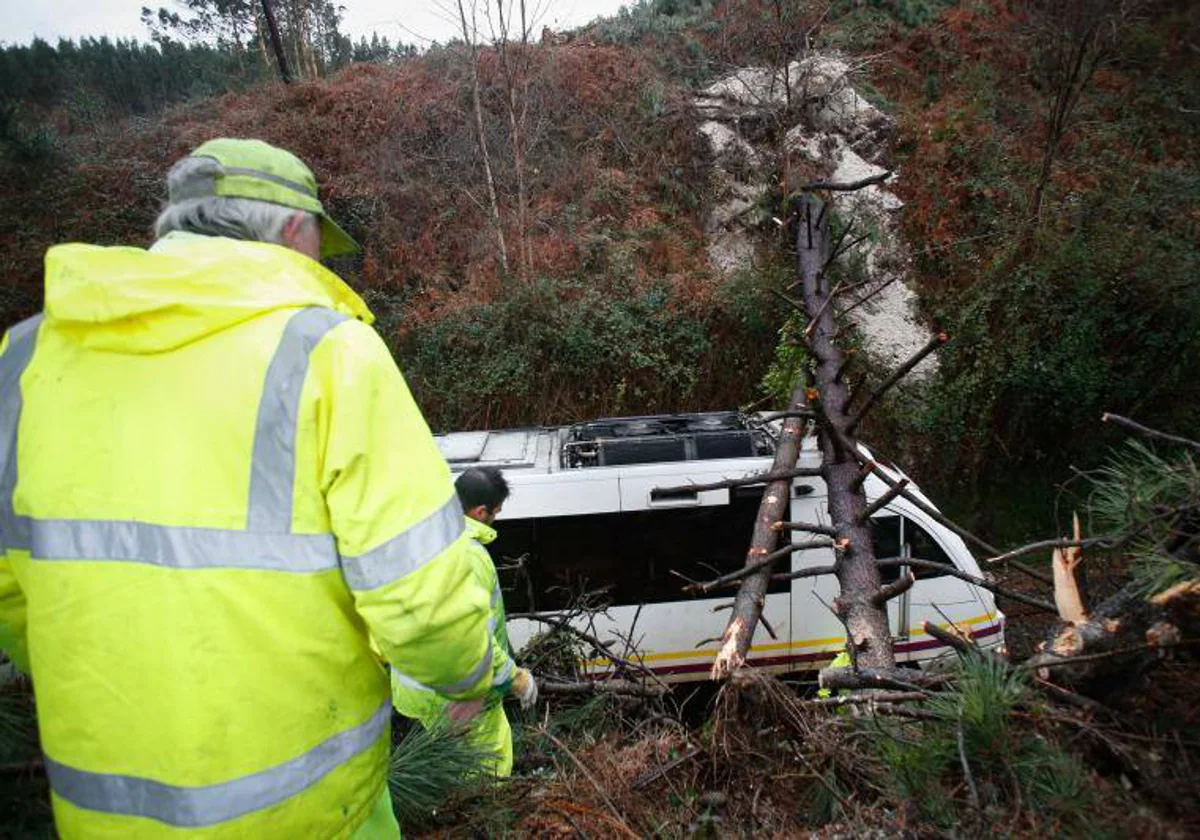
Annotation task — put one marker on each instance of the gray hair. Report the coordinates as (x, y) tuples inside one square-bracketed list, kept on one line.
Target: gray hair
[(211, 215)]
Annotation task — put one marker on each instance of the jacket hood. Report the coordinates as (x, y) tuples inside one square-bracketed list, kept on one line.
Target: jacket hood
[(483, 534), (186, 287)]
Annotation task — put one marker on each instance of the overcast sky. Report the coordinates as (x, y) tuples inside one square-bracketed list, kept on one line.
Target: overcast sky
[(411, 21)]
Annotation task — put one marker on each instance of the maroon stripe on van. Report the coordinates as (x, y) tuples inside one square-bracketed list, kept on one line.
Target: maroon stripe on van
[(768, 661)]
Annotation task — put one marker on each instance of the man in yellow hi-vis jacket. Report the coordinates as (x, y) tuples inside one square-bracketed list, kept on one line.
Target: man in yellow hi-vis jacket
[(482, 492), (215, 488)]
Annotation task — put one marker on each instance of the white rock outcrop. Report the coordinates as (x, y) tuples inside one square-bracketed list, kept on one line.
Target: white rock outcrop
[(846, 137)]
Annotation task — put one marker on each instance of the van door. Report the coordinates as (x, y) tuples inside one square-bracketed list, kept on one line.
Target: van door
[(936, 597), (817, 634), (887, 533)]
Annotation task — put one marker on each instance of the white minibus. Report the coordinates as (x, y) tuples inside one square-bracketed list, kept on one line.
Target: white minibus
[(583, 516)]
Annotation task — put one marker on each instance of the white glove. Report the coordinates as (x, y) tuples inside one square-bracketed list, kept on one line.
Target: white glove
[(524, 688)]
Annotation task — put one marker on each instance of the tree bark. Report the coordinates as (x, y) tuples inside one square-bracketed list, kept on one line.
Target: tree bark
[(276, 41), (858, 605), (1119, 637), (751, 595)]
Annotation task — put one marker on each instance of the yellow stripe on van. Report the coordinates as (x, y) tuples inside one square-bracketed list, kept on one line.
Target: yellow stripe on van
[(837, 643)]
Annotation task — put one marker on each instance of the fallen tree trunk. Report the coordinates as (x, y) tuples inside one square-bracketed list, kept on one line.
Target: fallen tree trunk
[(858, 605), (1097, 656), (751, 595)]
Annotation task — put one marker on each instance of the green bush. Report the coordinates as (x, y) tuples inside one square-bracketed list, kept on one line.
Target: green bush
[(1099, 315), (553, 351)]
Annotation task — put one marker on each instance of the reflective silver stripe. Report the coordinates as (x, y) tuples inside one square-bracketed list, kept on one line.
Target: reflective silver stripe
[(408, 682), (180, 547), (268, 176), (496, 596), (408, 551), (472, 678), (454, 688), (273, 466), (193, 807), (14, 530), (506, 673)]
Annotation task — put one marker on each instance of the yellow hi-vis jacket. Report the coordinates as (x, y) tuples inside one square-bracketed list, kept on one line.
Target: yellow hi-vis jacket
[(490, 727), (214, 489)]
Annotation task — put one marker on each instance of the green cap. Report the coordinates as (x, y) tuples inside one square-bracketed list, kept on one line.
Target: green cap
[(257, 170)]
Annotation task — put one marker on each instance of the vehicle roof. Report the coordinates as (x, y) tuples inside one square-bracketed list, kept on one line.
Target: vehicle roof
[(533, 449)]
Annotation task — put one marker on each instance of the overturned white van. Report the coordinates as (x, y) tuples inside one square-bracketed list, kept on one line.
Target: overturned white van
[(583, 515)]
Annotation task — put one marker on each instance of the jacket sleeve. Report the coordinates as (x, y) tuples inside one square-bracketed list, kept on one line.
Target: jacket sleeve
[(503, 667), (12, 599), (12, 616), (398, 522)]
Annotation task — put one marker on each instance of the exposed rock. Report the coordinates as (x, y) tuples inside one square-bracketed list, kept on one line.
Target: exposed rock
[(731, 252), (725, 141), (757, 86), (846, 137)]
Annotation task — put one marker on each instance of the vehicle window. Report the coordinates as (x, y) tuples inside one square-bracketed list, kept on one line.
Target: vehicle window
[(923, 546), (885, 533), (545, 564)]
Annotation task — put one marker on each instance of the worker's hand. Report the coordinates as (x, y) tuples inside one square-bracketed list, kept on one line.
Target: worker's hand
[(524, 688), (464, 711)]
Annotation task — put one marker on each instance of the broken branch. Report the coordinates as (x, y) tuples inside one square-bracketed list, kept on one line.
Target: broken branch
[(758, 565), (898, 374), (954, 640), (761, 478), (811, 527), (882, 502), (1147, 431), (836, 679), (941, 520), (983, 583), (665, 769), (849, 186), (811, 571), (891, 590)]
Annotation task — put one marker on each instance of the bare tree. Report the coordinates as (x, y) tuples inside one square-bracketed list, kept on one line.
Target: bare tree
[(1076, 36), (515, 64), (276, 41), (470, 37)]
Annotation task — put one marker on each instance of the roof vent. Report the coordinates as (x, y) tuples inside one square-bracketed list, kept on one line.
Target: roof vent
[(663, 438)]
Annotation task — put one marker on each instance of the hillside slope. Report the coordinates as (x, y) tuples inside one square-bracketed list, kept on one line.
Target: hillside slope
[(611, 304)]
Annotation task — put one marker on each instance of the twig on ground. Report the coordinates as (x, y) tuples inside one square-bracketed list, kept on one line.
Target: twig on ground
[(1064, 662), (966, 766), (596, 687), (588, 775), (665, 769), (874, 697)]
